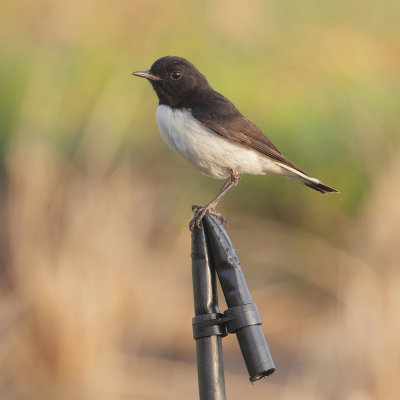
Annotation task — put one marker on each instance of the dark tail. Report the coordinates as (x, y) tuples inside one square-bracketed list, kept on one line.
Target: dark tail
[(302, 177), (320, 187)]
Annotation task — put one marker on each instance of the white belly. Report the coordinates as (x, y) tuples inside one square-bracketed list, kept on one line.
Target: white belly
[(212, 154)]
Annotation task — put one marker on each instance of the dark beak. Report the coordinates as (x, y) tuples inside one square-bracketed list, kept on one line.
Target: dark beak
[(147, 75)]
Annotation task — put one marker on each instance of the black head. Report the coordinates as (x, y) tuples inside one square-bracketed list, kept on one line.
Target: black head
[(177, 82)]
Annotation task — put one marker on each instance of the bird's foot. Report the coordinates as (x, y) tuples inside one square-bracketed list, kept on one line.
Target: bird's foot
[(201, 211)]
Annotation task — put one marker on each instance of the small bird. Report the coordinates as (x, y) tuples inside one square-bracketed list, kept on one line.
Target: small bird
[(206, 129)]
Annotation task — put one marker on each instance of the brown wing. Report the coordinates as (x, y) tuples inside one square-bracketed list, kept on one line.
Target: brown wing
[(221, 116)]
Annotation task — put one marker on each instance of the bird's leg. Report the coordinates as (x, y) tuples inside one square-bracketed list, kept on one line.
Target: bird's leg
[(200, 211)]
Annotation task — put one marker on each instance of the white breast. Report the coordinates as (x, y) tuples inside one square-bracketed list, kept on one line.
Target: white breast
[(206, 150)]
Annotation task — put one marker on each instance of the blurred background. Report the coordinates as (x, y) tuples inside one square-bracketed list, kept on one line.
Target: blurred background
[(95, 270)]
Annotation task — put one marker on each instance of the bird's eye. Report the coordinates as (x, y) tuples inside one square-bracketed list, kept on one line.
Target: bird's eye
[(176, 75)]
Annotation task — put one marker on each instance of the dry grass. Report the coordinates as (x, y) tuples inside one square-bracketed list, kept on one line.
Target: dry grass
[(96, 308)]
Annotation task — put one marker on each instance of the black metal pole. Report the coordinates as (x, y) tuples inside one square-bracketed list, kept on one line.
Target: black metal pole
[(245, 319), (206, 332)]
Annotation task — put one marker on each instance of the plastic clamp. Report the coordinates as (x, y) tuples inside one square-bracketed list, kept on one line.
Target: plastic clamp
[(205, 325), (242, 316)]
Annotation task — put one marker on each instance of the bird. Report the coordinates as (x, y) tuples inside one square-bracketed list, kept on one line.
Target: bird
[(206, 129)]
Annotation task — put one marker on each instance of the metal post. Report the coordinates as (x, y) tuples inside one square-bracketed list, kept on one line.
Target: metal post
[(206, 332)]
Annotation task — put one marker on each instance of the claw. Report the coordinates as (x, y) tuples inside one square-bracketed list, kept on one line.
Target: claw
[(201, 211)]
